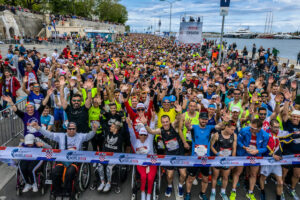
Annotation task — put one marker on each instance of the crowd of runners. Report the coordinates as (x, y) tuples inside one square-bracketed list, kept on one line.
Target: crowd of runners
[(145, 94)]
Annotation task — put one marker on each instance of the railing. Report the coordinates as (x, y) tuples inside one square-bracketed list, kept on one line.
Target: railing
[(10, 124)]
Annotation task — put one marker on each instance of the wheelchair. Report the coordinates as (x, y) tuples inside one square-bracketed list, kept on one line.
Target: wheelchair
[(135, 184), (79, 185), (42, 175), (119, 176)]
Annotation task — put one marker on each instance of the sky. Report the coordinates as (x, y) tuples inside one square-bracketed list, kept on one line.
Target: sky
[(242, 14)]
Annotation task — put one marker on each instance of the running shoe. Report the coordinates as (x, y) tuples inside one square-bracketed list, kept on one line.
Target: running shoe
[(35, 188), (187, 197), (224, 196), (101, 187), (282, 196), (203, 196), (293, 193), (168, 192), (250, 196), (212, 196), (180, 191), (26, 188), (107, 187), (232, 195)]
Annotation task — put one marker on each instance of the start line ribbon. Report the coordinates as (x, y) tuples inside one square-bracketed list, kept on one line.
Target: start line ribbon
[(8, 154)]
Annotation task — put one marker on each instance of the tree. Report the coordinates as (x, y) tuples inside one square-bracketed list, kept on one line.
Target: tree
[(111, 10), (127, 28)]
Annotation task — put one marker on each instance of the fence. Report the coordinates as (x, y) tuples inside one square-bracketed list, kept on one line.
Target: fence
[(10, 124)]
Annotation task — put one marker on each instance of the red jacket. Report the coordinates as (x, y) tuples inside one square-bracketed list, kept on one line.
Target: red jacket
[(15, 85)]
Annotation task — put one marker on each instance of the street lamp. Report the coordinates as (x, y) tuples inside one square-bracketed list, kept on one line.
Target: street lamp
[(171, 5)]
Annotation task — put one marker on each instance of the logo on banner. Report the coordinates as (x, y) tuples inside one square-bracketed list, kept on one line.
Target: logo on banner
[(75, 156), (153, 159), (179, 161), (204, 160), (252, 160), (127, 159), (23, 153), (102, 157), (225, 161), (49, 153)]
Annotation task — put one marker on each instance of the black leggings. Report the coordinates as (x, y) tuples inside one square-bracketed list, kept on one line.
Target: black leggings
[(97, 142), (62, 180), (28, 169)]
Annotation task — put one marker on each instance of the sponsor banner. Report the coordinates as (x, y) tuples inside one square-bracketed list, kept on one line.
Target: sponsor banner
[(8, 154), (190, 32)]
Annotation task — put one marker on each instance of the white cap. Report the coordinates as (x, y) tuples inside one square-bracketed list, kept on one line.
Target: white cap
[(235, 109), (296, 112), (215, 96), (200, 96), (140, 105), (194, 74), (29, 139), (74, 78), (143, 131)]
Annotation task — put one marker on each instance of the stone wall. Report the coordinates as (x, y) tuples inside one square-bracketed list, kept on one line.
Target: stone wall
[(29, 24)]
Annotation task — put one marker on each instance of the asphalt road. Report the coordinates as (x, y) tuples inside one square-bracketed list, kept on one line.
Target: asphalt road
[(10, 193)]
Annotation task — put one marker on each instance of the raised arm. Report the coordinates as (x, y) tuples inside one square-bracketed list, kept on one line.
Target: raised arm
[(63, 101)]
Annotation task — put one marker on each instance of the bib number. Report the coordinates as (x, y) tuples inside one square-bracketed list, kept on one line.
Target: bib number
[(172, 144), (201, 150)]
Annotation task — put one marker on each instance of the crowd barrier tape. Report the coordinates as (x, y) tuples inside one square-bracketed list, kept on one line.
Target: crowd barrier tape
[(8, 154)]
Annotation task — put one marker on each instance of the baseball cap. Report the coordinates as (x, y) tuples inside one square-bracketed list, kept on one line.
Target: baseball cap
[(212, 106), (203, 115), (140, 105), (143, 131), (194, 74), (90, 76), (172, 98), (214, 96), (296, 112), (176, 74), (166, 99), (29, 139), (200, 96), (74, 78), (235, 109)]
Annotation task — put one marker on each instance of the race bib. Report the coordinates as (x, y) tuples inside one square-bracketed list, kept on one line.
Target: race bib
[(188, 136), (200, 150), (160, 144), (172, 144), (225, 152)]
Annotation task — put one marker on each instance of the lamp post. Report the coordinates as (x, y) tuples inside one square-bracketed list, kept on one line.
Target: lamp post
[(171, 6)]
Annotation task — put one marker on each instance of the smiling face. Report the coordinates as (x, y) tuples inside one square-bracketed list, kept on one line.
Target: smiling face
[(76, 102)]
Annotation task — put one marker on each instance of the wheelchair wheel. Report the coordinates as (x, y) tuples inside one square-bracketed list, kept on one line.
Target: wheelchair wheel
[(84, 176), (154, 191)]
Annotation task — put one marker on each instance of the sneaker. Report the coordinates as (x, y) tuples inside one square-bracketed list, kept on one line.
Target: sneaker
[(224, 196), (195, 182), (293, 194), (101, 187), (35, 188), (282, 196), (232, 195), (148, 197), (212, 196), (26, 188), (180, 191), (203, 196), (187, 197), (168, 191), (262, 196), (107, 187), (250, 196)]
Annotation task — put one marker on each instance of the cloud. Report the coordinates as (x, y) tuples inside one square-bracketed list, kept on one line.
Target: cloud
[(144, 13)]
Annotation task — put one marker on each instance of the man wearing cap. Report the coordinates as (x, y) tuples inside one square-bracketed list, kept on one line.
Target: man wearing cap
[(31, 114), (201, 147), (213, 114), (72, 140)]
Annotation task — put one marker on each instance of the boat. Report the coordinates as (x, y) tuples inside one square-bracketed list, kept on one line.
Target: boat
[(241, 33), (266, 36), (283, 36)]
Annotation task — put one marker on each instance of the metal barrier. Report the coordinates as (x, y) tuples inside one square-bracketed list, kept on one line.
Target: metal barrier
[(10, 124)]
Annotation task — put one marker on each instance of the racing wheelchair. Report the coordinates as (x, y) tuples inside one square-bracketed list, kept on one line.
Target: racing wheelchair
[(119, 175), (42, 175), (79, 184), (135, 184)]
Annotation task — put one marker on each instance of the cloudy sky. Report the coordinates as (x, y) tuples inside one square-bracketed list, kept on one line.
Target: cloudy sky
[(242, 13)]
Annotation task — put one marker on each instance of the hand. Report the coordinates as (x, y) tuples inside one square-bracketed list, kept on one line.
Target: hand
[(226, 117), (245, 82), (283, 82), (50, 76), (39, 144), (50, 91), (271, 80), (186, 145), (35, 125), (277, 158), (254, 97), (294, 85), (178, 108), (287, 94), (95, 127), (72, 82), (25, 79), (62, 82), (128, 121), (252, 151), (278, 98), (7, 98), (144, 120), (223, 89)]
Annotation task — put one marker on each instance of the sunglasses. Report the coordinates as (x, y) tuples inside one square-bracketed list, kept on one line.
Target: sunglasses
[(36, 86), (140, 109), (76, 100), (143, 135), (236, 93), (264, 114), (72, 129)]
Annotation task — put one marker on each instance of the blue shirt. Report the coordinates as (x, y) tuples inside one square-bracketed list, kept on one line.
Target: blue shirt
[(202, 137), (47, 121), (36, 99)]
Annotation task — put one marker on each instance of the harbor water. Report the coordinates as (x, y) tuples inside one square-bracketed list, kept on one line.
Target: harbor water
[(289, 48)]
